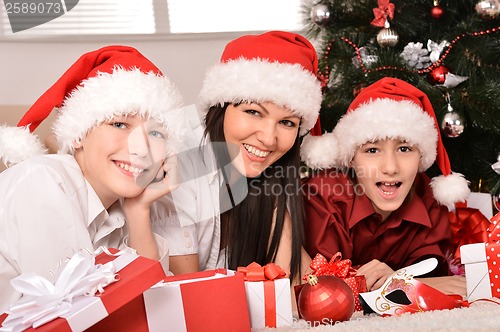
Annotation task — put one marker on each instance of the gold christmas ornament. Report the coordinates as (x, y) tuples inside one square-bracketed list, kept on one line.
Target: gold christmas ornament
[(387, 37)]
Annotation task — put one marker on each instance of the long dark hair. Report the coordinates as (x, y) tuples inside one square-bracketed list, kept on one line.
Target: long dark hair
[(250, 235)]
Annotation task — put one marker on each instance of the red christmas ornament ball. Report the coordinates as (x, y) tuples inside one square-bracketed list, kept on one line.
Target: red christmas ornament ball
[(438, 75), (325, 300), (437, 12)]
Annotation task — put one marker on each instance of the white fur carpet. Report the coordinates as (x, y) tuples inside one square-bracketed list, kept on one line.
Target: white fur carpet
[(480, 316)]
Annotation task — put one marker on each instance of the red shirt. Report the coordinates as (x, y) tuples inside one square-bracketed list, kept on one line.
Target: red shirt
[(339, 220)]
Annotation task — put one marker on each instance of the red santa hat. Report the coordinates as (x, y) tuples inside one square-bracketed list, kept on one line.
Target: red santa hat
[(102, 84), (389, 108), (275, 66)]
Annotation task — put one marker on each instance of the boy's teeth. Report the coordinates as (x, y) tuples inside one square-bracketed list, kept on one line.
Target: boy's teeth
[(131, 168)]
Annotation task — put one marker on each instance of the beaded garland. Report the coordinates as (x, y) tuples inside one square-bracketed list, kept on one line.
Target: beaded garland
[(324, 76)]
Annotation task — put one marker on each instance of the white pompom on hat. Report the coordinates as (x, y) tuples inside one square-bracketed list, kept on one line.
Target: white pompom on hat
[(108, 82), (389, 108), (275, 66)]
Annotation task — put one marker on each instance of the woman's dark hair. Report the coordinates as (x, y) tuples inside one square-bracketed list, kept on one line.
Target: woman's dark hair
[(249, 235)]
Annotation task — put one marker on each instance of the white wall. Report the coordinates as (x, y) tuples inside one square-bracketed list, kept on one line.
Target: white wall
[(30, 68)]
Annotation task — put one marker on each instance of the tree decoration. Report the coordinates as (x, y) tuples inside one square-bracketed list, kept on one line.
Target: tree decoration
[(415, 55), (437, 11), (387, 37), (384, 11), (365, 56), (488, 8), (438, 75), (436, 49), (452, 80), (452, 125), (320, 14), (325, 300)]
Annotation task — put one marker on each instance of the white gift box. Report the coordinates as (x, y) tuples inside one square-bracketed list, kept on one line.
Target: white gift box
[(280, 302), (482, 263)]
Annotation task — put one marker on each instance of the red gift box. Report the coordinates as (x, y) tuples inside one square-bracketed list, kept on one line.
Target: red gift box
[(342, 269), (136, 274), (205, 301)]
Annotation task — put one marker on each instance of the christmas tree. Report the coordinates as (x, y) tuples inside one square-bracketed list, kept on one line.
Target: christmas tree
[(448, 49)]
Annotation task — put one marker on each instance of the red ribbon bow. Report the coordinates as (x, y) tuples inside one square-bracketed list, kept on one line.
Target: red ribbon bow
[(255, 272), (385, 9), (335, 267), (468, 226)]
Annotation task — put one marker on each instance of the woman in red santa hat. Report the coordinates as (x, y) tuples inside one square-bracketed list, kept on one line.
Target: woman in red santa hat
[(115, 131), (373, 202), (257, 103)]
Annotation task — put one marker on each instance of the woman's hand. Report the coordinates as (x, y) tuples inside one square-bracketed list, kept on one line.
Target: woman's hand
[(447, 285), (376, 273)]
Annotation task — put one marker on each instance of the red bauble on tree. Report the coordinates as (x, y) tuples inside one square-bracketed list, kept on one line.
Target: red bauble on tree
[(437, 12), (438, 75), (325, 300)]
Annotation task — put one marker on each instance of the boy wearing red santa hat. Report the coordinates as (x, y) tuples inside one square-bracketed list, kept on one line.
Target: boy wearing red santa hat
[(115, 130), (373, 202)]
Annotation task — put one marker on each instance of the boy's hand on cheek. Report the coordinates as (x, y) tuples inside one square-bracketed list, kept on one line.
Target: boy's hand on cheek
[(376, 273), (166, 181)]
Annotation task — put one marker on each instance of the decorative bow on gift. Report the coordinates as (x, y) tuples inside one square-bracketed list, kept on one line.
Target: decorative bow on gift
[(468, 226), (385, 9), (335, 267), (43, 301), (255, 272), (267, 274)]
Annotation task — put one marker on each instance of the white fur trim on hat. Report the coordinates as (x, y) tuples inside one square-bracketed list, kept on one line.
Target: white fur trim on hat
[(387, 118), (124, 92), (258, 80), (18, 144), (450, 189), (319, 152)]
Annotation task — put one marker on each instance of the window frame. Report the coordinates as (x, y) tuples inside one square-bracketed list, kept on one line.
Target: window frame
[(160, 9)]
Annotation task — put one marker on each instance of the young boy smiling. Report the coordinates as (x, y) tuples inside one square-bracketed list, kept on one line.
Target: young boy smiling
[(385, 213), (115, 135)]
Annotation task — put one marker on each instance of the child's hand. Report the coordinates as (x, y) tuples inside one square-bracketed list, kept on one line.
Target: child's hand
[(447, 285), (166, 180), (169, 180), (376, 273), (137, 209)]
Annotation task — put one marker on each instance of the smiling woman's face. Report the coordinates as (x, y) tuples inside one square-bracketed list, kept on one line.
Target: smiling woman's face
[(258, 134), (385, 170)]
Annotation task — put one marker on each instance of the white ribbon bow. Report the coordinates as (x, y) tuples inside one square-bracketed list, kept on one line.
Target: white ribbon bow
[(435, 49), (43, 301)]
